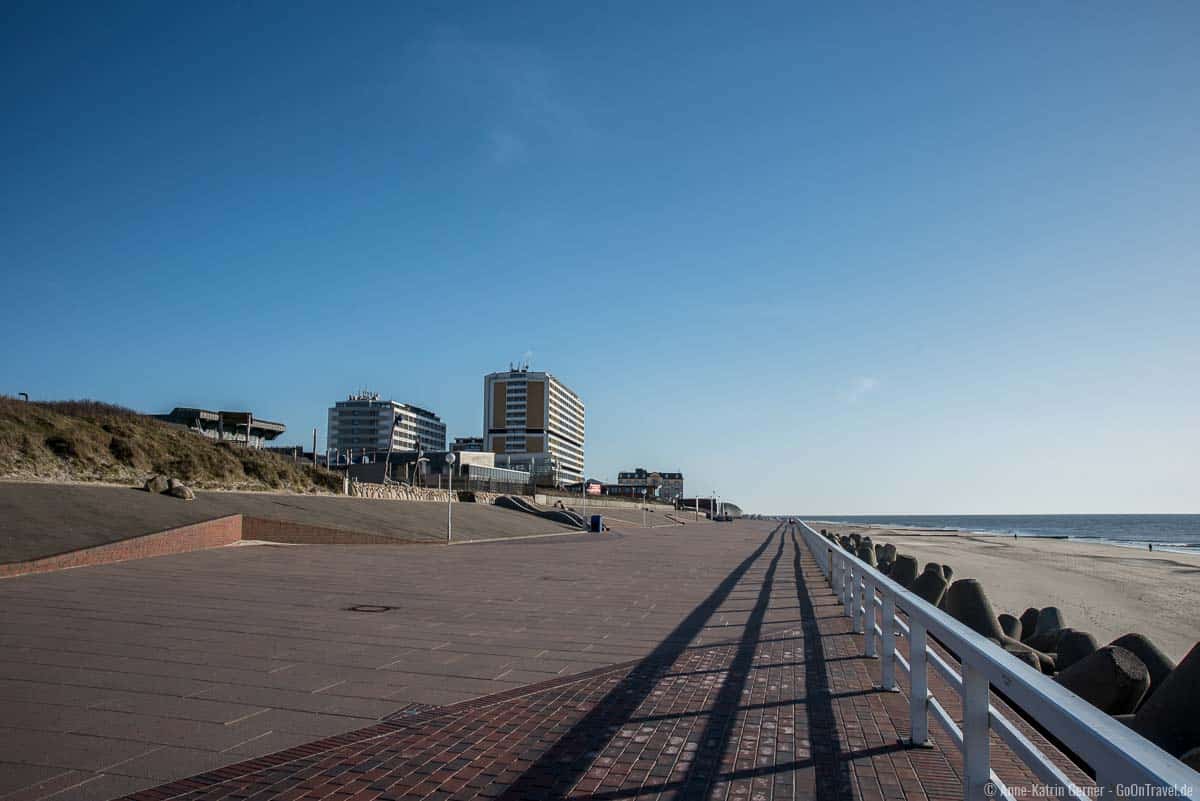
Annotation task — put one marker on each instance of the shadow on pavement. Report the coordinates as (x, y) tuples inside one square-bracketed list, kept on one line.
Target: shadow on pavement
[(832, 771), (558, 769)]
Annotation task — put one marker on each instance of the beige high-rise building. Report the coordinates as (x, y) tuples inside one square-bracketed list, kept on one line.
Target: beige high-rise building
[(532, 420)]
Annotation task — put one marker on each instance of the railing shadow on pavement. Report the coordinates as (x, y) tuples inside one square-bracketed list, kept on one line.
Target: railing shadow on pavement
[(560, 767)]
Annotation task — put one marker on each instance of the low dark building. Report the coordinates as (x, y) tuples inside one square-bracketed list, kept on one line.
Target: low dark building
[(241, 427), (705, 505), (631, 490), (472, 471)]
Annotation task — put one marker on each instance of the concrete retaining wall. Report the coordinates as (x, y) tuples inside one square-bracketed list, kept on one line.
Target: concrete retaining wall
[(256, 528), (395, 492)]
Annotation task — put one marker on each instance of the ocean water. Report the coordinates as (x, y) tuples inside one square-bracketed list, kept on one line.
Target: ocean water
[(1169, 532)]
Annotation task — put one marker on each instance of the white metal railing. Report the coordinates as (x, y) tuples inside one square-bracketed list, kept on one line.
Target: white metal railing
[(1126, 764)]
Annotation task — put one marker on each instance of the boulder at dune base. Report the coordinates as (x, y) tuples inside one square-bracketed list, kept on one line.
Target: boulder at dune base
[(182, 492), (156, 485)]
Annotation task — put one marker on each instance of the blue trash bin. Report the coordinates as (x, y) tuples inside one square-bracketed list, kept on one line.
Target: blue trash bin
[(597, 523)]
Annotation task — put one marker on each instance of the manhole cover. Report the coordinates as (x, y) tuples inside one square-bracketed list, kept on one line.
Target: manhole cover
[(369, 608)]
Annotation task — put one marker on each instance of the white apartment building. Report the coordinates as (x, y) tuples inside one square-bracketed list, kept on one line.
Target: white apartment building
[(363, 425), (533, 419)]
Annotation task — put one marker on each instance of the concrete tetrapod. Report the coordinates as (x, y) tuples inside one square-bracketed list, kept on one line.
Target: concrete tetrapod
[(1028, 623), (1010, 625), (1158, 663), (1073, 646), (1111, 679), (1049, 623), (904, 570), (1027, 656), (1171, 717), (930, 585), (966, 602)]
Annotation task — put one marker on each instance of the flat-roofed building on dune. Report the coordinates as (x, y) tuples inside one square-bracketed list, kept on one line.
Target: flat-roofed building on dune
[(533, 419), (242, 427), (363, 424)]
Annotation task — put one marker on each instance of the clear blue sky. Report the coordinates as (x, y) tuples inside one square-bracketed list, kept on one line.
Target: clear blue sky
[(868, 259)]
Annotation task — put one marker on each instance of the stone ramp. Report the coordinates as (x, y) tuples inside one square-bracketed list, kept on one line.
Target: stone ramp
[(785, 707), (46, 520)]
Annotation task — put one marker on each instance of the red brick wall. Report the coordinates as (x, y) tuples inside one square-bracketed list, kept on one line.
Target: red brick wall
[(196, 537)]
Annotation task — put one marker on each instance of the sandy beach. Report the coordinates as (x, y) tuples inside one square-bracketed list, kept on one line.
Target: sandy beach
[(1108, 590)]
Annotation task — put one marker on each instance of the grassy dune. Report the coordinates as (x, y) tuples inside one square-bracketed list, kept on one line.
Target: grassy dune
[(92, 441)]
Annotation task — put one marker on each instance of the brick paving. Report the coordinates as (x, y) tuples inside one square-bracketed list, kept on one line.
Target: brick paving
[(780, 704)]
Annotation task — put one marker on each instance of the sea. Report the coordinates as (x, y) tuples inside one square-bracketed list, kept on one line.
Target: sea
[(1164, 532)]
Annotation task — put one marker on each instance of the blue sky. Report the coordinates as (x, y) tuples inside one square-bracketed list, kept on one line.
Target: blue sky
[(844, 260)]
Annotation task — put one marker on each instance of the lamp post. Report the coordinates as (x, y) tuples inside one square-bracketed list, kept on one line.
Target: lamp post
[(450, 458), (643, 507)]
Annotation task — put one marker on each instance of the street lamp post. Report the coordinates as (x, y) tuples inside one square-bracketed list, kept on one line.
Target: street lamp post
[(450, 498), (643, 508)]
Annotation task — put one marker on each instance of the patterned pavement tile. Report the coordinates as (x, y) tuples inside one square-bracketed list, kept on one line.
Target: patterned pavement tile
[(785, 708)]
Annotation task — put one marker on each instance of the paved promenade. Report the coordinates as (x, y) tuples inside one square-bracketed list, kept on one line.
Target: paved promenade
[(708, 661)]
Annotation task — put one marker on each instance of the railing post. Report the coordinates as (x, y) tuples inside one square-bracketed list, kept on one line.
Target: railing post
[(887, 670), (858, 598), (918, 699), (848, 590), (838, 589), (869, 625), (829, 562), (977, 767)]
